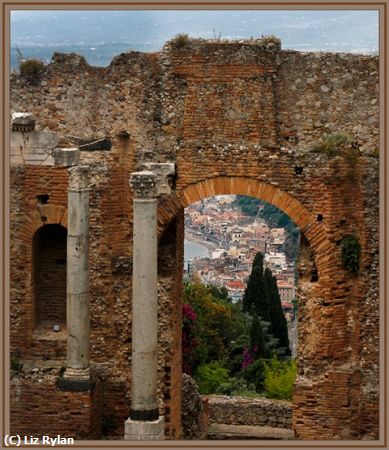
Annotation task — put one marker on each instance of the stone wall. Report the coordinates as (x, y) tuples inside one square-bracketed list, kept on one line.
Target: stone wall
[(194, 411), (237, 118), (253, 411)]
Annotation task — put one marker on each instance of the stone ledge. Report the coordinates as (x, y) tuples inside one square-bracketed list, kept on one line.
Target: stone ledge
[(223, 431)]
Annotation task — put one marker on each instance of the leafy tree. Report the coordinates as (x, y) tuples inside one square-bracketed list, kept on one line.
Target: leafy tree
[(248, 205), (219, 292), (235, 358), (218, 324), (189, 342), (258, 260)]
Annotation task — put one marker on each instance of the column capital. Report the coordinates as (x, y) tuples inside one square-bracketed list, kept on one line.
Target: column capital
[(164, 172), (79, 177), (144, 184), (23, 122), (153, 180)]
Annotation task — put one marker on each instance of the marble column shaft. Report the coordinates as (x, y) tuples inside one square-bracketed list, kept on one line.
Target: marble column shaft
[(144, 400), (144, 422), (78, 273)]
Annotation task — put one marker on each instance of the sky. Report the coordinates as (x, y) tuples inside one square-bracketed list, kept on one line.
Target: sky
[(100, 35)]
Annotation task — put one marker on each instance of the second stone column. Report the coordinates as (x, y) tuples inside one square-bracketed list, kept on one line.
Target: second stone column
[(144, 422)]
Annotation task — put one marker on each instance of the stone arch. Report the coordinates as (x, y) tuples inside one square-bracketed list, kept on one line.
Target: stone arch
[(45, 215), (310, 227)]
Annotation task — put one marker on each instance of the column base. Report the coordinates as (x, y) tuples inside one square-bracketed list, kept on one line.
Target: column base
[(142, 430), (76, 380), (77, 374)]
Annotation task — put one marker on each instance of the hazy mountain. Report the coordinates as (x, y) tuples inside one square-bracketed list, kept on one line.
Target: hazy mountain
[(99, 35)]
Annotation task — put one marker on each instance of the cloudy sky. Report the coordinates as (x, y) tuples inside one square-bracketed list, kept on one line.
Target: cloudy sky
[(101, 34)]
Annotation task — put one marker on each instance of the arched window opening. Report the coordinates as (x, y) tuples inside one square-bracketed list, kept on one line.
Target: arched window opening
[(49, 266)]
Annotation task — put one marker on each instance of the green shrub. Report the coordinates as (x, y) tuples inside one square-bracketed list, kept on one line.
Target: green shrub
[(351, 251), (254, 374), (212, 378), (279, 379), (270, 41), (32, 70), (239, 386)]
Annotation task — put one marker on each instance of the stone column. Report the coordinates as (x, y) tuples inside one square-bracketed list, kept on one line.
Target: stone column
[(77, 367), (144, 422)]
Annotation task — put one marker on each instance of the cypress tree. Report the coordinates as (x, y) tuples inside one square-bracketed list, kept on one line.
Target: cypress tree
[(279, 326), (258, 346), (246, 307), (262, 300), (255, 297), (258, 261)]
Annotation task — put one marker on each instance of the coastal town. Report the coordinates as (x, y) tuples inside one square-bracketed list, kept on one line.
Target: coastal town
[(232, 240)]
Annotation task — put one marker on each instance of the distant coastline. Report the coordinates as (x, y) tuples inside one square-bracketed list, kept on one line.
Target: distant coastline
[(192, 237)]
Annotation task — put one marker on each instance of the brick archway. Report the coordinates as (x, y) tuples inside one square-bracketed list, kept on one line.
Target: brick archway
[(304, 219), (313, 230), (45, 215)]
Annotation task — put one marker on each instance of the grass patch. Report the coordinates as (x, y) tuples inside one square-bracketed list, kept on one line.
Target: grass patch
[(181, 41), (332, 144)]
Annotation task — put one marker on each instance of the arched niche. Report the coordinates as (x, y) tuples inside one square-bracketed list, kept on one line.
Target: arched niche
[(49, 277)]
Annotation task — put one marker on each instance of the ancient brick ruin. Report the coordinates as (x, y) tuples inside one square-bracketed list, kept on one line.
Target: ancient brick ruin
[(232, 118)]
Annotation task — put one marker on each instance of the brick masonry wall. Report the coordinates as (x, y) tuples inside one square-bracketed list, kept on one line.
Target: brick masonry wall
[(52, 414), (235, 118), (27, 218)]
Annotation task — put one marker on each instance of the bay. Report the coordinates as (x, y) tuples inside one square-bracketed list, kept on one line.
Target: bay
[(194, 250)]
